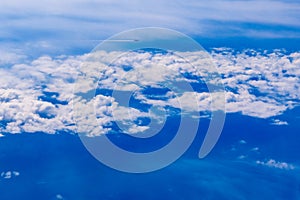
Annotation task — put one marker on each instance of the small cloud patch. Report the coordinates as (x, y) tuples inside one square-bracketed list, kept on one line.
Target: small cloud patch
[(276, 164), (9, 174), (279, 122)]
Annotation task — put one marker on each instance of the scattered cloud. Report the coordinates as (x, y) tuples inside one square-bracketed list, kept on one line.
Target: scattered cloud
[(259, 83), (256, 149), (242, 142), (276, 164), (38, 95), (220, 181), (10, 174), (241, 157), (279, 122), (59, 196)]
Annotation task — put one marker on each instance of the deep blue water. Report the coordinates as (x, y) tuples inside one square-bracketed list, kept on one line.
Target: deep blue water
[(59, 167)]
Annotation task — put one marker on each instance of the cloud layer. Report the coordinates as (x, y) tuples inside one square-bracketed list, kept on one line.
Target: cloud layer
[(89, 20), (37, 96)]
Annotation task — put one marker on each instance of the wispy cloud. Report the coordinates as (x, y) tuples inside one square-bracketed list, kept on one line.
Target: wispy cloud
[(85, 20)]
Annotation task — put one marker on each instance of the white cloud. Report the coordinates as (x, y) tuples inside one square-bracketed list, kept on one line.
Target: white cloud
[(256, 149), (261, 84), (279, 122), (242, 142), (59, 196), (257, 83), (15, 173), (10, 174), (9, 58), (276, 164), (241, 157)]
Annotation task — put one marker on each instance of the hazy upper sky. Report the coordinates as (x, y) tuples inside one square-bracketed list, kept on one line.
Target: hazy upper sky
[(98, 19), (44, 27)]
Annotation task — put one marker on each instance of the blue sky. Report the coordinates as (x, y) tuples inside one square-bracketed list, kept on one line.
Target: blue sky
[(254, 47), (38, 81), (50, 25)]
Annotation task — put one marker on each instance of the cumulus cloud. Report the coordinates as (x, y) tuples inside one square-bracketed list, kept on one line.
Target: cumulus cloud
[(259, 83), (276, 164), (38, 95), (24, 105), (9, 174), (279, 122)]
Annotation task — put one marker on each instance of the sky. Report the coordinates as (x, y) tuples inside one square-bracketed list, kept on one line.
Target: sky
[(45, 86), (49, 60), (53, 26)]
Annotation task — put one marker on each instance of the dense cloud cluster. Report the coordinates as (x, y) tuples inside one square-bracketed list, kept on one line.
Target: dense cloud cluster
[(260, 83), (38, 95)]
